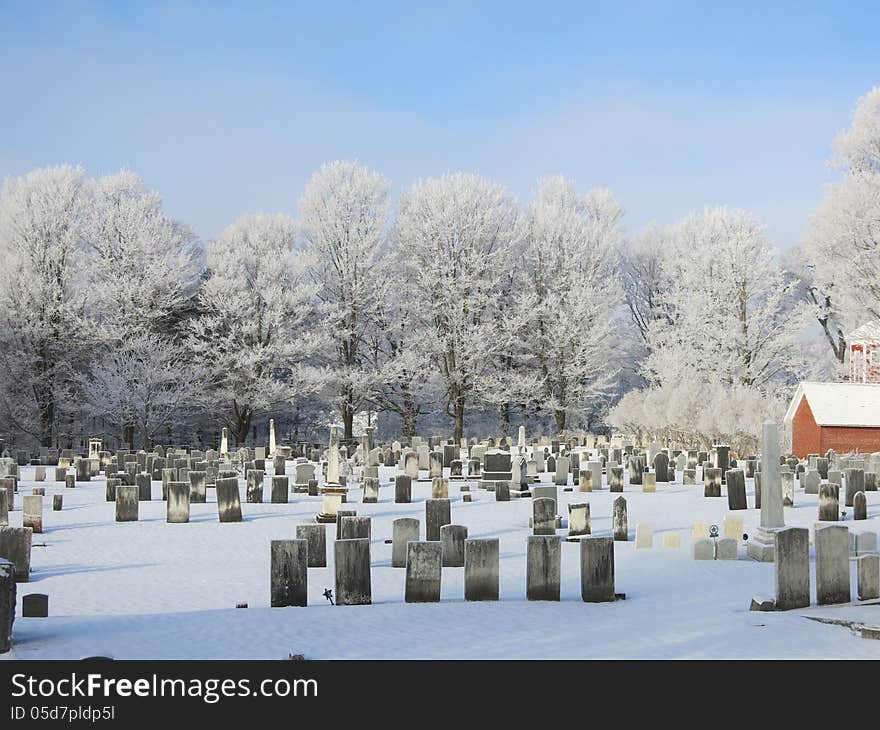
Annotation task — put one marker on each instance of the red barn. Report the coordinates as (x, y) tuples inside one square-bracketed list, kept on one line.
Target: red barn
[(840, 416)]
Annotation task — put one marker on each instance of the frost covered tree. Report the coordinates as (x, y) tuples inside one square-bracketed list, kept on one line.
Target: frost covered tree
[(142, 270), (641, 269), (729, 314), (143, 266), (255, 333), (842, 248), (572, 294), (344, 216), (42, 226), (459, 231), (692, 412), (148, 381)]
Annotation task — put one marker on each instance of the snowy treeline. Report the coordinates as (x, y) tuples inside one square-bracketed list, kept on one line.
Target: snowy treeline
[(451, 304)]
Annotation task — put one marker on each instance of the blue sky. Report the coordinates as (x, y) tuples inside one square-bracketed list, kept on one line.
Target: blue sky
[(227, 108)]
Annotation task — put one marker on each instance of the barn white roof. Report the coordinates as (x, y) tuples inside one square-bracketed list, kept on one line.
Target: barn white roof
[(839, 404), (868, 332)]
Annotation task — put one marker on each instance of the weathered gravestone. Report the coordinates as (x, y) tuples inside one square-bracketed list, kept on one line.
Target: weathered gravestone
[(544, 516), (620, 527), (32, 508), (792, 568), (481, 570), (198, 487), (597, 569), (578, 520), (354, 528), (403, 530), (177, 509), (832, 565), (736, 489), (316, 539), (280, 489), (543, 568), (711, 482), (353, 584), (255, 486), (15, 546), (869, 577), (855, 483), (126, 503), (452, 539), (437, 514), (423, 572), (7, 604), (228, 499), (860, 506), (289, 576), (829, 506), (402, 489)]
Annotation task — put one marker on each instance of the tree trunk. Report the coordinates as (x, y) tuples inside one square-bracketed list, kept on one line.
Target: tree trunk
[(504, 417), (458, 414), (347, 422), (128, 435), (47, 419), (408, 417), (242, 425), (560, 421)]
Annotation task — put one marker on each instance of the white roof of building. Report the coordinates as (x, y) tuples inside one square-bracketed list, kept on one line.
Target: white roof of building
[(839, 404), (868, 332)]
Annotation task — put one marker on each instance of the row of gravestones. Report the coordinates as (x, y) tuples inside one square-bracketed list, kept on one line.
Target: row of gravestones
[(424, 561), (832, 568)]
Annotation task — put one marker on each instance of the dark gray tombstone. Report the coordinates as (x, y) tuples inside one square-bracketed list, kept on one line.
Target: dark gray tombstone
[(543, 516), (502, 491), (661, 466), (289, 573), (437, 513), (57, 502), (177, 509), (792, 568), (829, 505), (280, 489), (402, 489), (126, 503), (353, 528), (15, 546), (228, 500), (832, 565), (35, 605), (711, 482), (255, 486), (615, 479), (481, 570), (423, 572), (736, 489), (198, 486), (452, 539), (860, 506), (543, 568), (316, 537), (110, 489), (620, 526), (7, 604), (855, 483), (597, 569), (144, 483), (352, 559)]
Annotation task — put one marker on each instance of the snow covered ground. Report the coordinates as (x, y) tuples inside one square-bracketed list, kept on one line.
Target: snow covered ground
[(154, 590)]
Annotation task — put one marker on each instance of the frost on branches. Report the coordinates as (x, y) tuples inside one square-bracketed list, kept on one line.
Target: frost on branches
[(841, 253), (256, 331)]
